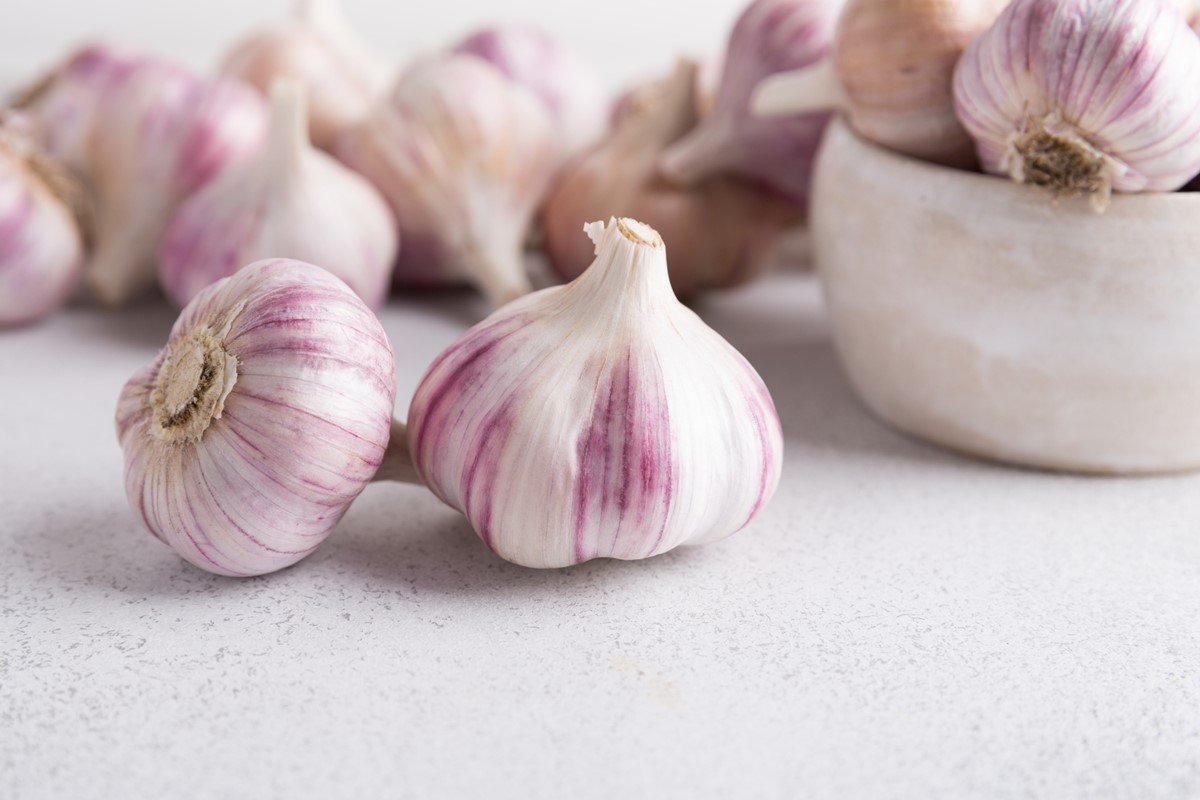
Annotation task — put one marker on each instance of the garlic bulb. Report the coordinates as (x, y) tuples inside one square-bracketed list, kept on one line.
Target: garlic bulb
[(464, 156), (570, 88), (291, 201), (261, 420), (598, 419), (150, 134), (892, 70), (771, 36), (343, 75), (1085, 96), (41, 246), (722, 232)]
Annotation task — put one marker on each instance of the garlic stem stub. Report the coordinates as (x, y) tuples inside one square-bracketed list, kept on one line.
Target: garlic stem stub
[(601, 419), (265, 415), (464, 156), (1085, 97), (290, 201)]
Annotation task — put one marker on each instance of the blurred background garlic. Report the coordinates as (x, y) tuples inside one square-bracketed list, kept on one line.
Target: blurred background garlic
[(771, 36), (1085, 97), (266, 414), (41, 243), (723, 231), (601, 419), (570, 88), (290, 201), (892, 72), (344, 76), (464, 155)]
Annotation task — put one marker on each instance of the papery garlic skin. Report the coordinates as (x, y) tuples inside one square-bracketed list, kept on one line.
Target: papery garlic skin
[(290, 201), (464, 156), (343, 75), (261, 420), (1085, 96), (569, 87), (771, 36), (601, 419), (41, 245)]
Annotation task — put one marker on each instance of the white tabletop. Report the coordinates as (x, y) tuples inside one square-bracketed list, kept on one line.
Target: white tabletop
[(899, 623)]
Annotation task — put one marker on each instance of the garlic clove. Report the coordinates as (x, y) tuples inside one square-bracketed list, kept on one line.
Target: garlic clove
[(770, 37), (464, 156), (265, 415), (344, 76), (1084, 97), (290, 201), (723, 231), (601, 419), (41, 243)]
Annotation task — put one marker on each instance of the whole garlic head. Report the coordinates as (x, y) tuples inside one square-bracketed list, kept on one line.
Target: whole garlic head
[(343, 75), (601, 419), (291, 201), (464, 156)]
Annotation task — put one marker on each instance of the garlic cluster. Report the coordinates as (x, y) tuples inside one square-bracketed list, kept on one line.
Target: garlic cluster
[(601, 419), (892, 71), (771, 36), (464, 155), (723, 231), (566, 84), (41, 244), (290, 201), (343, 75), (265, 415), (144, 134), (1085, 97)]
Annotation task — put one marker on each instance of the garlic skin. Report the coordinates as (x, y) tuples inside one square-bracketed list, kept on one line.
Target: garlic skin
[(291, 201), (41, 245), (464, 156), (722, 232), (601, 419), (771, 36), (569, 87), (1085, 97), (264, 416), (343, 75)]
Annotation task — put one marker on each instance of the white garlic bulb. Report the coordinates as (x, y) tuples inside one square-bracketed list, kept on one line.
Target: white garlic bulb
[(265, 415), (343, 75), (291, 201), (464, 156), (597, 419), (1085, 97), (41, 245)]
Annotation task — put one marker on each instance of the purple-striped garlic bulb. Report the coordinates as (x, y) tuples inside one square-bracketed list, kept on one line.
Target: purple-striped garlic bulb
[(155, 133), (266, 414), (771, 37), (344, 76), (290, 201), (41, 242), (464, 155), (1085, 97), (601, 419), (568, 85)]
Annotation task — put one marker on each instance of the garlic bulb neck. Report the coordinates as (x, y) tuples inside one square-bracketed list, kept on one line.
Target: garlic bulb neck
[(196, 377), (1052, 154), (628, 278), (287, 131)]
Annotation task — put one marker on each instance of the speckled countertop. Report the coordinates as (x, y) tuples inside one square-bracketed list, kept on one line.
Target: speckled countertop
[(900, 623)]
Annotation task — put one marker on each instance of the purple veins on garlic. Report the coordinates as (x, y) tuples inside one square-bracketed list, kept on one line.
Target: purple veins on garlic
[(290, 201), (597, 419), (266, 414), (1085, 97), (464, 156), (771, 36), (343, 75)]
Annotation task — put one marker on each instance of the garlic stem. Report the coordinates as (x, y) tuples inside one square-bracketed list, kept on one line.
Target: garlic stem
[(397, 465), (497, 271), (801, 91), (287, 131)]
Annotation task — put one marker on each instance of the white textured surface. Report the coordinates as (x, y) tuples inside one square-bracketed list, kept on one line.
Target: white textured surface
[(900, 623)]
